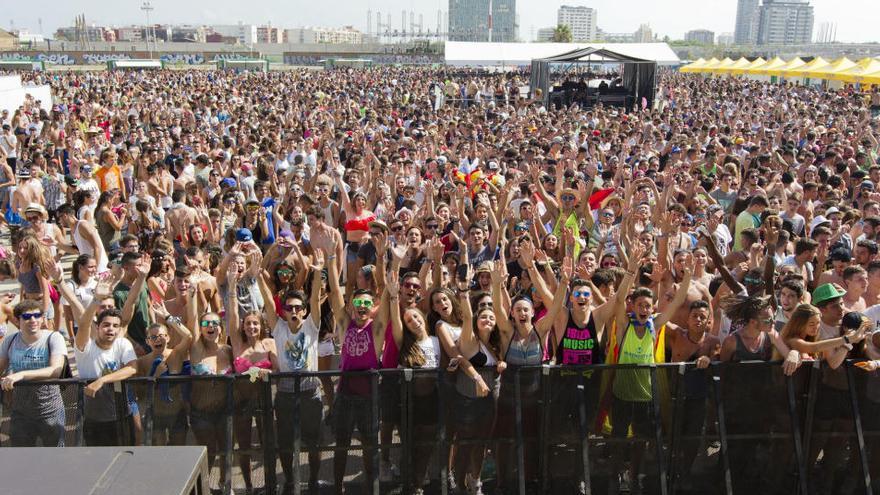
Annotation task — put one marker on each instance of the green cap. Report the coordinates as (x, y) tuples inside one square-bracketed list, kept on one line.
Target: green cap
[(826, 292)]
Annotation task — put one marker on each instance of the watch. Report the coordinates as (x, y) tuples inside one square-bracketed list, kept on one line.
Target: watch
[(173, 320)]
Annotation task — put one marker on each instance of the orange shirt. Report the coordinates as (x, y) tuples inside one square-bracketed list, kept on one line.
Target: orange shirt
[(109, 178)]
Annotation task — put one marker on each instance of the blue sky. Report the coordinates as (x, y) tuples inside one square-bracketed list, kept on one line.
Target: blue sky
[(854, 18)]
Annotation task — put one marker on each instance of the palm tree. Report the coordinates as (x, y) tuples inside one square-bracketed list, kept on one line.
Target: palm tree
[(562, 34)]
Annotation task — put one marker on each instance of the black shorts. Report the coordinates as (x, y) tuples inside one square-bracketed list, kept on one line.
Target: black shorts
[(637, 414), (311, 414), (352, 411)]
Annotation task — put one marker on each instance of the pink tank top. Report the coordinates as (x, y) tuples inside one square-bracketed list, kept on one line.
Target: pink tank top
[(358, 354)]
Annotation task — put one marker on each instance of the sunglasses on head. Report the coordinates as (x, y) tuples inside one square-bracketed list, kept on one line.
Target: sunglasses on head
[(210, 323), (581, 293), (31, 316), (362, 303)]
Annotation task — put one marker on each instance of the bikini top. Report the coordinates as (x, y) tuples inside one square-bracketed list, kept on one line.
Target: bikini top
[(362, 224), (243, 364), (204, 369)]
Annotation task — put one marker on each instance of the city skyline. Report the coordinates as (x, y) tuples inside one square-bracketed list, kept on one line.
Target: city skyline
[(672, 18)]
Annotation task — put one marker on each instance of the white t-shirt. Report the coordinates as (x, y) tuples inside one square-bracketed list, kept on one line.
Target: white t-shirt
[(431, 350), (95, 362), (85, 293), (296, 351)]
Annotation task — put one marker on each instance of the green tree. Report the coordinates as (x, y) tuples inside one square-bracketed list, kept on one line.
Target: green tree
[(562, 34)]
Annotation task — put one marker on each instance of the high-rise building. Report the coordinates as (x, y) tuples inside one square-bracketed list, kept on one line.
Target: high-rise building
[(245, 34), (643, 34), (785, 22), (747, 18), (700, 36), (725, 39), (580, 20), (546, 34), (469, 20)]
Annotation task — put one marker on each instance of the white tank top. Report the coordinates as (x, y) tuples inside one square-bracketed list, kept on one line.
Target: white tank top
[(85, 248)]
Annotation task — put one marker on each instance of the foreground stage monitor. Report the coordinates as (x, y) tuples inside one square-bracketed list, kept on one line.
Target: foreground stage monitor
[(104, 470)]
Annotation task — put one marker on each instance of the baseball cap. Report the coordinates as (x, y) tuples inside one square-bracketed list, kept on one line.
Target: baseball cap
[(244, 235), (228, 182), (676, 149), (867, 185), (853, 320), (819, 220), (831, 211), (826, 292)]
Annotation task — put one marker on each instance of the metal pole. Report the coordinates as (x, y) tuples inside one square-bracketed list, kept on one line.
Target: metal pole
[(658, 432), (543, 442), (722, 435), (268, 441), (796, 437), (297, 435), (678, 393), (860, 436), (372, 458), (151, 409), (229, 447), (584, 433), (520, 454), (80, 413)]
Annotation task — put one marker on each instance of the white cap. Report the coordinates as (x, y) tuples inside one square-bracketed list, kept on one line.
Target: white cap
[(819, 220)]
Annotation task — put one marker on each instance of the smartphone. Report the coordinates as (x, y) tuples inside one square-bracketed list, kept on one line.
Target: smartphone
[(462, 272)]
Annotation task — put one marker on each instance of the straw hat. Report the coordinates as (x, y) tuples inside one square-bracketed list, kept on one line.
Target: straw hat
[(36, 208)]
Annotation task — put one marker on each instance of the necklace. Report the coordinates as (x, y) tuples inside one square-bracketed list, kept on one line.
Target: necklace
[(698, 342)]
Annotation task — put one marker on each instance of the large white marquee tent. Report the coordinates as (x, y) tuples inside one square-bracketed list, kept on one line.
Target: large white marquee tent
[(459, 53)]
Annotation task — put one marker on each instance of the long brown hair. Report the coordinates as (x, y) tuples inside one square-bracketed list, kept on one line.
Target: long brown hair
[(411, 355), (796, 326)]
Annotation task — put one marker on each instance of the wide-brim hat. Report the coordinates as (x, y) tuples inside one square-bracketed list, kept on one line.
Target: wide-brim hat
[(36, 208)]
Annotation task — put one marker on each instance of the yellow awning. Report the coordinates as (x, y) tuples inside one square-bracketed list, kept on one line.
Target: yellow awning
[(710, 64), (739, 64), (756, 68), (792, 64), (801, 71), (856, 74), (727, 62), (693, 65), (873, 78), (825, 72)]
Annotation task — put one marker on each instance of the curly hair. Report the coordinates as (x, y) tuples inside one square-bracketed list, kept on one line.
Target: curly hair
[(742, 309)]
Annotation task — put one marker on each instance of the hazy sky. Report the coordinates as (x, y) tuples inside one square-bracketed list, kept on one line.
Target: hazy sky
[(856, 19)]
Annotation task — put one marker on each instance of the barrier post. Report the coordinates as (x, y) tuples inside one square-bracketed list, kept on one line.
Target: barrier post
[(442, 441), (297, 435), (678, 393), (147, 418), (543, 434), (860, 437), (811, 407), (406, 420), (373, 456), (584, 434), (520, 454), (80, 413), (722, 435), (658, 431), (230, 441), (270, 478), (796, 436)]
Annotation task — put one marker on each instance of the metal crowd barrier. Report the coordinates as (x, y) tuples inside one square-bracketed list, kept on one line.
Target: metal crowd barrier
[(732, 428)]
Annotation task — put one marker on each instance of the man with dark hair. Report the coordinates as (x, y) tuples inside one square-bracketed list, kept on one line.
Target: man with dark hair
[(749, 218), (84, 234), (33, 354), (135, 311), (103, 356)]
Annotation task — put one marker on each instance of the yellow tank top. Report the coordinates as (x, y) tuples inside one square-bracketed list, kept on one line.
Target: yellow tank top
[(635, 384)]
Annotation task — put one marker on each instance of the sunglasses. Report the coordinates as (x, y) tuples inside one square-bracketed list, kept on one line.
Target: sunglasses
[(284, 272), (581, 293), (608, 214), (293, 307), (210, 323), (412, 285), (362, 303), (229, 202), (567, 197), (31, 316), (397, 228), (485, 305), (432, 226), (253, 207), (520, 228), (156, 337), (34, 219)]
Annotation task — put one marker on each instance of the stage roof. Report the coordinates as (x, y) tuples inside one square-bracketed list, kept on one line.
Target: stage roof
[(493, 54)]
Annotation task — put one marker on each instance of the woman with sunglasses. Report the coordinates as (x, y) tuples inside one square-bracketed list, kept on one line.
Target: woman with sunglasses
[(476, 386), (253, 351), (209, 356)]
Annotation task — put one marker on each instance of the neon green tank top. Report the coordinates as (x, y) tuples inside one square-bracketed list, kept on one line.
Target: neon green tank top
[(635, 384)]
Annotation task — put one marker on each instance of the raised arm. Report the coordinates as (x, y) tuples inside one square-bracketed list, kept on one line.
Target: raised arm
[(501, 316), (680, 294), (545, 324)]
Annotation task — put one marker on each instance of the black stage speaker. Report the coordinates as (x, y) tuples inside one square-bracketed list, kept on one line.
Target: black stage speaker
[(104, 470)]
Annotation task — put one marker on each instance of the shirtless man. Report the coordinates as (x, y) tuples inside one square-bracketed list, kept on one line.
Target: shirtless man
[(669, 284), (179, 216), (204, 281), (25, 193), (855, 281), (840, 259)]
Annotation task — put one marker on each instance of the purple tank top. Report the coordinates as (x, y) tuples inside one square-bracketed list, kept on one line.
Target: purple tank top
[(358, 353)]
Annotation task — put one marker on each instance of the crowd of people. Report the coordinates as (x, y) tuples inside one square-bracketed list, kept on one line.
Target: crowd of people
[(231, 223)]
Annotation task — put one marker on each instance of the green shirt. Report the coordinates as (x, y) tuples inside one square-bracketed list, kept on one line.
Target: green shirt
[(745, 220), (140, 319)]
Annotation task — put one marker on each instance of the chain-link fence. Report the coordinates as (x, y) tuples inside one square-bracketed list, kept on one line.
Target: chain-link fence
[(734, 428)]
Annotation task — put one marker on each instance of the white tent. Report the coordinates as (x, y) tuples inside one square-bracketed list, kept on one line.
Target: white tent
[(460, 53), (13, 93)]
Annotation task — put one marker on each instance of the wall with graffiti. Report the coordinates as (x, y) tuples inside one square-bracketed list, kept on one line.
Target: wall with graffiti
[(294, 58), (100, 58)]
